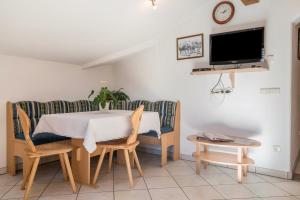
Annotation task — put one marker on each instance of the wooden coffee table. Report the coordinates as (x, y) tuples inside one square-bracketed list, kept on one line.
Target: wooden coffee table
[(241, 159)]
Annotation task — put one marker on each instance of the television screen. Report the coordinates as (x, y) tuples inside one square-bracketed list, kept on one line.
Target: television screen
[(245, 46)]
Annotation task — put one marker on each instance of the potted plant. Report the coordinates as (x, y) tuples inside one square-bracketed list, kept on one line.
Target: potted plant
[(107, 96), (120, 95)]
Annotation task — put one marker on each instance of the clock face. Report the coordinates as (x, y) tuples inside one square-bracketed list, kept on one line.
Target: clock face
[(223, 12)]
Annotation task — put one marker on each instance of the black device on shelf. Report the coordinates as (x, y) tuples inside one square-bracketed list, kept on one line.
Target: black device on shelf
[(243, 46)]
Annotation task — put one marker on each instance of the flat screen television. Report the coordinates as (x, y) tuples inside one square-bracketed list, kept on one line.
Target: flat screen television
[(243, 46)]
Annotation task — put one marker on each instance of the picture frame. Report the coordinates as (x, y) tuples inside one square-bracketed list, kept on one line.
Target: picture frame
[(299, 43), (190, 47)]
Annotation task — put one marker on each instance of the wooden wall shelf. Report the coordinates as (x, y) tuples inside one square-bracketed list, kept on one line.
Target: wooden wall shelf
[(231, 70)]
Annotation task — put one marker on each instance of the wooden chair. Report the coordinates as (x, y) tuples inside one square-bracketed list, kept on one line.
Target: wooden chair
[(37, 152), (127, 145)]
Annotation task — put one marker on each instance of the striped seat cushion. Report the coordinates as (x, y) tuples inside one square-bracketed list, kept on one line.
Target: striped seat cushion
[(35, 110)]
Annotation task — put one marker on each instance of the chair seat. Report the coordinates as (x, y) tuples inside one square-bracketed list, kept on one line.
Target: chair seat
[(50, 149), (117, 144), (162, 130), (43, 138)]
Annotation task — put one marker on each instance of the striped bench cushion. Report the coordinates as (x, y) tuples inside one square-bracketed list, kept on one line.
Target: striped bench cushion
[(35, 110)]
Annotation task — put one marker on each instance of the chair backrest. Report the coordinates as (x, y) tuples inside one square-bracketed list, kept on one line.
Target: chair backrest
[(25, 123), (135, 124)]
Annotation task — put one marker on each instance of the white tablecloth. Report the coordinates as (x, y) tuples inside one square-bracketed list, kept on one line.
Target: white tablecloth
[(96, 126)]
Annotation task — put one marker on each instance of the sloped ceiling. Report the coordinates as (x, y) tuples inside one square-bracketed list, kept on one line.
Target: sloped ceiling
[(84, 31)]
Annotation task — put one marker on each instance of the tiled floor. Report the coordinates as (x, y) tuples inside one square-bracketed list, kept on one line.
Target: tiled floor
[(177, 181)]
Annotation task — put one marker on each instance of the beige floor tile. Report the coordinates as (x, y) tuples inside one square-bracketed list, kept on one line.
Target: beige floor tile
[(234, 191), (292, 188), (177, 163), (250, 199), (202, 192), (265, 190), (123, 184), (250, 178), (227, 170), (44, 175), (7, 180), (60, 197), (59, 177), (281, 198), (210, 170), (4, 190), (16, 191), (180, 171), (190, 180), (105, 185), (58, 188), (272, 179), (31, 198), (122, 173), (167, 194), (155, 171), (96, 196), (132, 195), (218, 179), (160, 182)]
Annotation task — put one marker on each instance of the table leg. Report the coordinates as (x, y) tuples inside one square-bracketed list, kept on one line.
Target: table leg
[(245, 156), (205, 150), (240, 158), (81, 163), (197, 157)]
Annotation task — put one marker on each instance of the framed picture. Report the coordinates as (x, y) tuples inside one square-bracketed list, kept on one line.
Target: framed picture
[(190, 47), (298, 43)]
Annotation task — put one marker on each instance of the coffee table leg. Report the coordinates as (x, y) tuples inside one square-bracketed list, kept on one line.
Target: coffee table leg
[(240, 170), (197, 157), (205, 163), (245, 155)]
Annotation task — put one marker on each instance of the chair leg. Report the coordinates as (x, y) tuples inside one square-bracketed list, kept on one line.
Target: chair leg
[(27, 167), (63, 166), (31, 177), (176, 151), (111, 154), (69, 171), (99, 166), (128, 167), (11, 164), (164, 152), (136, 159)]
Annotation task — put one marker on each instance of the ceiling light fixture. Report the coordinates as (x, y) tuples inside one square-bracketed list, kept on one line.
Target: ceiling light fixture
[(154, 4)]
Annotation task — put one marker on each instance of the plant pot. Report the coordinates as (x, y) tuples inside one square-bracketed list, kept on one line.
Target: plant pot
[(106, 108)]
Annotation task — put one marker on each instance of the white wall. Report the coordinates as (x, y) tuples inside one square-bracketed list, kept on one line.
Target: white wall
[(156, 74), (295, 95), (29, 79)]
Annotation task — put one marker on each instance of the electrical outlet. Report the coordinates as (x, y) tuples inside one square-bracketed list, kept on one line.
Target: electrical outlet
[(276, 148)]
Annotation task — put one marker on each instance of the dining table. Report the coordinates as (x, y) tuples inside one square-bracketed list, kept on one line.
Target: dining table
[(87, 128)]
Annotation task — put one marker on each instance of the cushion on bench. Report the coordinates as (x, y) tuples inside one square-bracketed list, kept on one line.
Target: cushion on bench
[(43, 138), (162, 129), (35, 110)]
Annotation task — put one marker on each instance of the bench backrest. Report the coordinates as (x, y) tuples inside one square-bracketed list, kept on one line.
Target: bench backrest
[(35, 110), (165, 109)]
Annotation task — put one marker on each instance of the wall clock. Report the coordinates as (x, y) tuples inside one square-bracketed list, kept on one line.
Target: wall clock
[(223, 12)]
